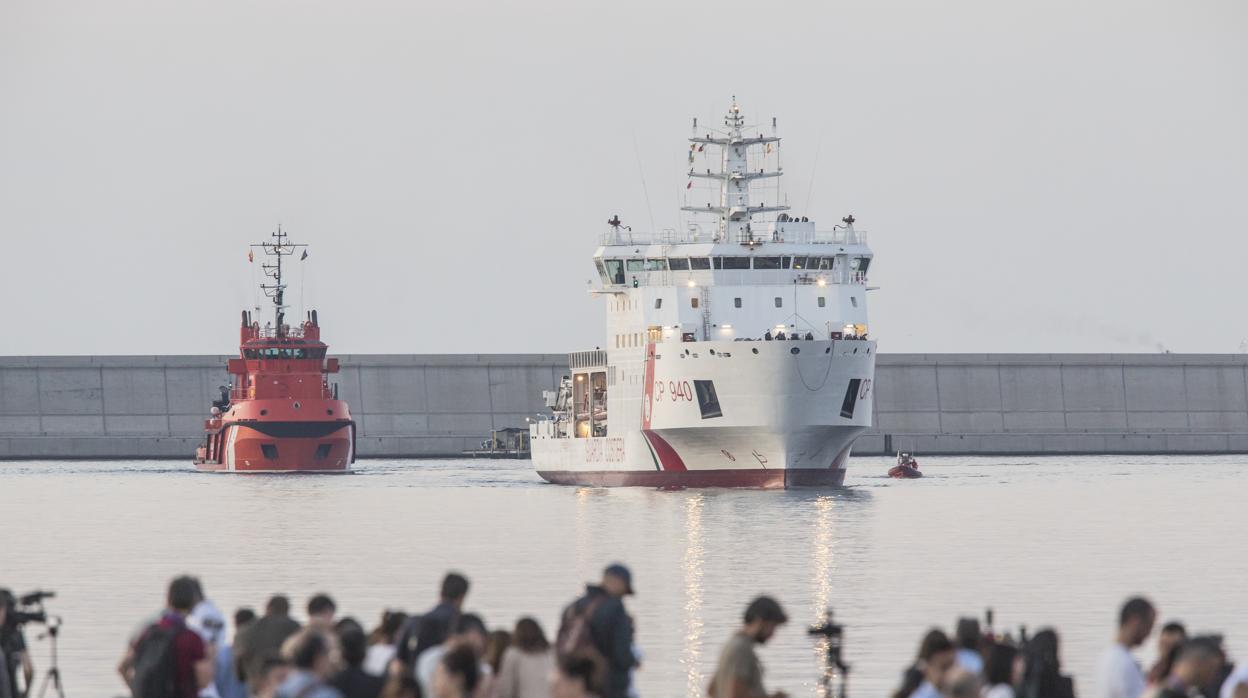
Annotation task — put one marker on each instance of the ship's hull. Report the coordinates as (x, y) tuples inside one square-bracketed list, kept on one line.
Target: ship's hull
[(279, 447), (720, 414)]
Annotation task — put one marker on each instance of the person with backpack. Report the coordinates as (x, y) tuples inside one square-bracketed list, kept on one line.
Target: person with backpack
[(169, 660), (597, 627)]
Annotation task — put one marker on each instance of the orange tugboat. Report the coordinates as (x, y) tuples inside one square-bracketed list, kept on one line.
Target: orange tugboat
[(281, 414)]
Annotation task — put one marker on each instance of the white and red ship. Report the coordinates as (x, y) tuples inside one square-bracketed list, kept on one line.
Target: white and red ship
[(737, 355)]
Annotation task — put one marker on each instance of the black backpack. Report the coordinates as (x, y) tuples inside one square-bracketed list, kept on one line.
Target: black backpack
[(155, 663)]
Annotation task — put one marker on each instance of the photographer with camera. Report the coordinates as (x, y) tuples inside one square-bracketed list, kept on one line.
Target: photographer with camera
[(14, 657), (739, 673)]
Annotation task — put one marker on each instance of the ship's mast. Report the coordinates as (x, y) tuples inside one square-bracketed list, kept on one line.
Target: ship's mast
[(734, 209), (278, 248)]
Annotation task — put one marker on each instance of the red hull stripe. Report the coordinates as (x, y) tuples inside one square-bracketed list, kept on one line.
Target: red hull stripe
[(667, 455), (755, 477)]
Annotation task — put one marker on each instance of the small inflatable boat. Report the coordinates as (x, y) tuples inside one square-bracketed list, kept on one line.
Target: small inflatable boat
[(907, 467)]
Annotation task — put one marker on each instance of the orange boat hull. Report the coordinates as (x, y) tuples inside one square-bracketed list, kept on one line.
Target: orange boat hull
[(247, 448)]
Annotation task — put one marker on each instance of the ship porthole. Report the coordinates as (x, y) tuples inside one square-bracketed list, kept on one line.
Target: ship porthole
[(296, 405), (263, 412), (828, 350), (329, 412), (795, 350), (755, 350)]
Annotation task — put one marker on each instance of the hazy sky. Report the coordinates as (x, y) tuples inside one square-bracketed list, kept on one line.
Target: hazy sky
[(1035, 177)]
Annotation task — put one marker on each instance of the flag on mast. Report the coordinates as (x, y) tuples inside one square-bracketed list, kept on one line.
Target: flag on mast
[(304, 256), (250, 256)]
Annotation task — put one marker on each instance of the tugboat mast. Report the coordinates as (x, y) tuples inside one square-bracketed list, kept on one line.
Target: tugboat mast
[(277, 290)]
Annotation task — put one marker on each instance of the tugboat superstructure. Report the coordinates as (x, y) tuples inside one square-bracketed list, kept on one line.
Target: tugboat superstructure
[(280, 413), (735, 356)]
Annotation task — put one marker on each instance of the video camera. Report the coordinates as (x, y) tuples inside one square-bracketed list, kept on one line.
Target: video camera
[(24, 609)]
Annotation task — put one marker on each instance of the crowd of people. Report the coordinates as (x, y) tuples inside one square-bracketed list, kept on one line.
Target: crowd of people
[(973, 663), (448, 652)]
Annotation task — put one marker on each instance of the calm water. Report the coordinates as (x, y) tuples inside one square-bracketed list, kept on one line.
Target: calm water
[(1043, 540)]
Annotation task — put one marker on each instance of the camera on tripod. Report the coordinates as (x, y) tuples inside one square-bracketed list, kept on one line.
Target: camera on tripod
[(833, 635), (27, 608)]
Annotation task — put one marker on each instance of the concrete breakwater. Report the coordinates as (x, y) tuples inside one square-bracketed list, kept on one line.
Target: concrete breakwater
[(439, 405)]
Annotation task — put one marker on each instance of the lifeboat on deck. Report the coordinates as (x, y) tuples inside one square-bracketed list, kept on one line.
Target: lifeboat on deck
[(280, 414), (907, 467)]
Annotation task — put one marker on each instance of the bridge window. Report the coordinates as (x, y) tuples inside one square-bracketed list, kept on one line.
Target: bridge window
[(636, 265), (799, 263), (699, 263), (656, 265), (860, 264), (615, 271), (732, 262), (821, 262), (678, 263), (767, 262)]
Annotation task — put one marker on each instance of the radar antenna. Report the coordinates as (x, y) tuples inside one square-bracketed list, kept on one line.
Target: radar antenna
[(279, 247)]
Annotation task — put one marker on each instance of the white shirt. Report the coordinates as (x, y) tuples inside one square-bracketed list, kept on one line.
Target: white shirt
[(1238, 676), (427, 663), (1118, 675), (925, 690), (1001, 690), (377, 659)]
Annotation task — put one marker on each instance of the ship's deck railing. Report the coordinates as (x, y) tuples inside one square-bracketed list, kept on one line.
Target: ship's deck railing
[(587, 359), (738, 277), (836, 236)]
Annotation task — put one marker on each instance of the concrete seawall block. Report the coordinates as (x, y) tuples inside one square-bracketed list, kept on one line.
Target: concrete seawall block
[(19, 391), (969, 389), (1033, 421), (1216, 388), (1031, 389), (64, 391), (1089, 388), (20, 426)]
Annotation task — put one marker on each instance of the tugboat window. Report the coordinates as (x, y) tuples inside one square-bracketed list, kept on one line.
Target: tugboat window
[(615, 271), (699, 263), (678, 263)]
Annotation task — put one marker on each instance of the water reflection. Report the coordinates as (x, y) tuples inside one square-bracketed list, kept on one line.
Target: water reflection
[(694, 553), (821, 573)]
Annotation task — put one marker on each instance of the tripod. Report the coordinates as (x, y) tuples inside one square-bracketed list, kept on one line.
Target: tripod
[(833, 665), (53, 677)]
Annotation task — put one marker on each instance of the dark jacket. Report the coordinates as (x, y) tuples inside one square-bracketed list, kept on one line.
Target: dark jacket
[(612, 632), (260, 641), (354, 682), (422, 632)]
